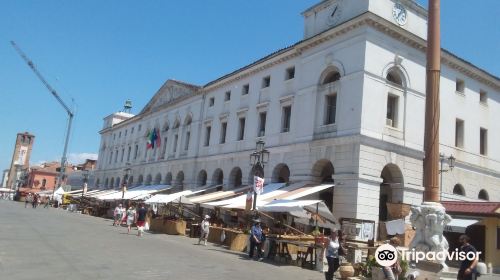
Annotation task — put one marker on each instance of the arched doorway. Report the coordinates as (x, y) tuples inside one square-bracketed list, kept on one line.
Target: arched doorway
[(149, 179), (106, 183), (218, 177), (179, 181), (281, 174), (255, 171), (130, 181), (168, 179), (391, 189), (202, 178), (323, 171), (235, 178), (141, 179), (112, 183), (117, 182), (157, 179), (97, 183)]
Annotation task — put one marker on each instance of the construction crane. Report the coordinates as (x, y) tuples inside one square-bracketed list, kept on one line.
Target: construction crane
[(68, 110)]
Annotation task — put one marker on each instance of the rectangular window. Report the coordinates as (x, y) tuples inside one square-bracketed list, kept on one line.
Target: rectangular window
[(392, 111), (223, 130), (287, 113), (208, 131), (331, 108), (126, 131), (116, 156), (266, 81), (241, 129), (483, 97), (459, 133), (111, 157), (227, 96), (483, 140), (120, 135), (262, 124), (176, 138), (211, 101), (186, 145), (132, 131), (128, 153), (123, 155), (290, 73), (136, 151), (460, 86), (140, 126), (245, 89)]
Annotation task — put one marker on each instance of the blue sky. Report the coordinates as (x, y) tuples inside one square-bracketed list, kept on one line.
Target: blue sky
[(100, 53)]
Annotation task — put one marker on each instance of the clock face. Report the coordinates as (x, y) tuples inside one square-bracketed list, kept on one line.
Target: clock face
[(335, 13), (399, 13)]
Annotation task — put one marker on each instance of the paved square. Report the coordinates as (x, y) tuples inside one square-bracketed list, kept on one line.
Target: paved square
[(55, 244)]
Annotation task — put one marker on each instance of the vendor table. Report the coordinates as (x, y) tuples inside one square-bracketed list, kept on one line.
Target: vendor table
[(306, 251)]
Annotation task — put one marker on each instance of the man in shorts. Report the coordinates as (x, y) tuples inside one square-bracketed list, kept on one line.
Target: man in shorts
[(141, 219)]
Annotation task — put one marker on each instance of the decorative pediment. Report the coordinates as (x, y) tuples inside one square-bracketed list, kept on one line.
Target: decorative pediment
[(169, 93)]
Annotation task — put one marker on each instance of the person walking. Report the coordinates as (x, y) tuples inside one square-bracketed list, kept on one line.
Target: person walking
[(467, 269), (141, 219), (256, 240), (332, 255), (204, 229), (47, 202), (117, 215), (131, 216), (34, 201)]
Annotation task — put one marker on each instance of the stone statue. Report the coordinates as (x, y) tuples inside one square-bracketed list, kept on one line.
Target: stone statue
[(429, 220)]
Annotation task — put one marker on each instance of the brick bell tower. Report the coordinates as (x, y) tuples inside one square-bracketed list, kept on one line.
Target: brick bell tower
[(20, 156)]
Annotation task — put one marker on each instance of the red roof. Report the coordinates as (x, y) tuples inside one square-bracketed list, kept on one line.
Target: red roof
[(472, 208)]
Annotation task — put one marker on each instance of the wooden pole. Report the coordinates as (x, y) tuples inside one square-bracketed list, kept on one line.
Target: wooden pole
[(432, 109)]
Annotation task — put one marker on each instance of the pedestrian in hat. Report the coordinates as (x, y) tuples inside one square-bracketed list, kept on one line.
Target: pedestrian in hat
[(204, 229), (256, 240)]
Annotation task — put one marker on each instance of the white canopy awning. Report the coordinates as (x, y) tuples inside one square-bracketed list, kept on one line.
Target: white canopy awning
[(166, 198), (302, 209), (6, 190), (241, 199), (459, 225), (135, 193), (305, 191), (218, 195)]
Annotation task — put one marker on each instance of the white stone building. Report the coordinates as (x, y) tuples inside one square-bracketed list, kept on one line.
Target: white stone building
[(346, 104)]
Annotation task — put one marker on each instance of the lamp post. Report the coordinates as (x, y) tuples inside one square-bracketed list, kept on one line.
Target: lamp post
[(85, 175), (125, 180), (451, 165), (257, 160)]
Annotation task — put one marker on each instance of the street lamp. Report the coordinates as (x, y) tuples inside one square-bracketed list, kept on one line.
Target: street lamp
[(451, 165), (257, 160), (125, 180)]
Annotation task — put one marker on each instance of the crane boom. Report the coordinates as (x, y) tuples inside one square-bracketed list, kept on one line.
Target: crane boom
[(56, 95), (42, 79)]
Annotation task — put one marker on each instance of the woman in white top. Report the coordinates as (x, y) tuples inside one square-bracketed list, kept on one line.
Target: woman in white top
[(204, 229), (130, 217), (332, 255)]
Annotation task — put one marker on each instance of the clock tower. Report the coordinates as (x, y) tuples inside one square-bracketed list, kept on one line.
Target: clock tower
[(331, 13)]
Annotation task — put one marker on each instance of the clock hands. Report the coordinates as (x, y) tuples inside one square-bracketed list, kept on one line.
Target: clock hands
[(334, 11)]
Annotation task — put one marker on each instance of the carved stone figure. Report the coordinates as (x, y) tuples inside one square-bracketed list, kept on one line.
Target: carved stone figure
[(429, 221)]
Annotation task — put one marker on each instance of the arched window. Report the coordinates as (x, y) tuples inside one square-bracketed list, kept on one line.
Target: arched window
[(179, 181), (394, 77), (218, 177), (157, 179), (281, 174), (330, 77), (44, 182), (458, 190), (149, 179), (235, 178), (483, 194)]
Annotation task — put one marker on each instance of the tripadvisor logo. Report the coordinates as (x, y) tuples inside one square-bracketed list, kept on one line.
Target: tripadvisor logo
[(387, 255)]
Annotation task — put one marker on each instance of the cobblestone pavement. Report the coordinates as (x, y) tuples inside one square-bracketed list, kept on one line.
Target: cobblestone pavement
[(55, 244)]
